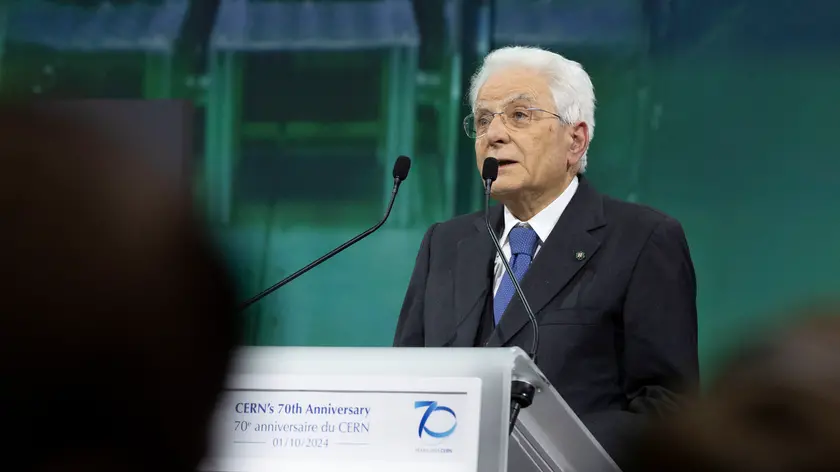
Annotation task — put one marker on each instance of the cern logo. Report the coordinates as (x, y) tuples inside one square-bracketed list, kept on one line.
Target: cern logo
[(432, 407)]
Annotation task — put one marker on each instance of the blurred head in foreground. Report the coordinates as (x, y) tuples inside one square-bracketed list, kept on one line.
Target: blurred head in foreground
[(775, 410), (116, 315)]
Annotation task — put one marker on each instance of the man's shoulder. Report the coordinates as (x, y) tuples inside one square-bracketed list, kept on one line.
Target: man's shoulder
[(636, 215), (457, 227)]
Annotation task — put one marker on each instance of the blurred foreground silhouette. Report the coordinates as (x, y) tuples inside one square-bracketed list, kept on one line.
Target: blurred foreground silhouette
[(776, 409), (116, 314)]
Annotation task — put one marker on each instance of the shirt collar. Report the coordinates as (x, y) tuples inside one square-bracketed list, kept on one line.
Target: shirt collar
[(544, 221)]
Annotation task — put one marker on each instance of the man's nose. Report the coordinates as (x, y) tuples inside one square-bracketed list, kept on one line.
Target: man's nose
[(497, 132)]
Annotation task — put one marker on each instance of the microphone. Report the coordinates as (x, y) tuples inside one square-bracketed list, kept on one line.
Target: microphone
[(401, 168), (522, 393), (489, 172)]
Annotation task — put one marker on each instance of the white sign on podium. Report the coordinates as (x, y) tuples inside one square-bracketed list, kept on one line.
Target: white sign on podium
[(386, 409), (349, 423)]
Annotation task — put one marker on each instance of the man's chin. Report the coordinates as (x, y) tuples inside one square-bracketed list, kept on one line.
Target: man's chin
[(503, 189)]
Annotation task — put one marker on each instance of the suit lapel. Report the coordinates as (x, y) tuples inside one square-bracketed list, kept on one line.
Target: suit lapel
[(557, 262), (473, 278)]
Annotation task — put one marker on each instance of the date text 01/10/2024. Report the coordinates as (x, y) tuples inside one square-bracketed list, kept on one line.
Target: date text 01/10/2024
[(300, 442)]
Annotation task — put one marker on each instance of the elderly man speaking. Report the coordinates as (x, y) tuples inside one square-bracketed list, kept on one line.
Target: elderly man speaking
[(611, 283)]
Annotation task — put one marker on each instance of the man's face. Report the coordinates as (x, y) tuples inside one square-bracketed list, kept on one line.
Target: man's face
[(533, 158)]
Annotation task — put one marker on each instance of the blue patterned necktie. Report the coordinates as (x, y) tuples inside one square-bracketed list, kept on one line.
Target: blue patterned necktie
[(523, 243)]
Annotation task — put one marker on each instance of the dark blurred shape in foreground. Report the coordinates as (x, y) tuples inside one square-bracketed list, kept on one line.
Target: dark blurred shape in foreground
[(776, 409), (116, 313)]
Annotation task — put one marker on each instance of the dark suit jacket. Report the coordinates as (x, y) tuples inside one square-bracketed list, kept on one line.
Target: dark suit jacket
[(618, 329)]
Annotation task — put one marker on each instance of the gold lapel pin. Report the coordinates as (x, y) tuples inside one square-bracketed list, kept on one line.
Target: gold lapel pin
[(580, 255)]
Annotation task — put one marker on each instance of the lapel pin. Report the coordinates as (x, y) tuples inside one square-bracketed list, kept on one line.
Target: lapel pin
[(580, 255)]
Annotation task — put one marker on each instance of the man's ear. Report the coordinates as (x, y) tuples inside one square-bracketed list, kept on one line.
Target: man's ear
[(578, 145), (580, 139)]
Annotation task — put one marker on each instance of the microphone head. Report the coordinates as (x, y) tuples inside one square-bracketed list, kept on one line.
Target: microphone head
[(490, 170), (401, 167)]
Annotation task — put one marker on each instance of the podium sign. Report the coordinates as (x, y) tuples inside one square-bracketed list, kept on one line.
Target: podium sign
[(372, 424), (394, 409)]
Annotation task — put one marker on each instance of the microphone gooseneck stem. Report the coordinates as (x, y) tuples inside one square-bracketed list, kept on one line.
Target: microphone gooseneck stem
[(515, 408), (328, 255), (535, 341)]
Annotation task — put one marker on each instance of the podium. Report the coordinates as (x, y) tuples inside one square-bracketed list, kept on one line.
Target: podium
[(394, 409)]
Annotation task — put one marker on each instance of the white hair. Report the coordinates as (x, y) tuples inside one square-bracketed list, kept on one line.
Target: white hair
[(571, 87)]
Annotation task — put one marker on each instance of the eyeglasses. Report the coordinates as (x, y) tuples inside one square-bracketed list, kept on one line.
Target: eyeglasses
[(514, 116)]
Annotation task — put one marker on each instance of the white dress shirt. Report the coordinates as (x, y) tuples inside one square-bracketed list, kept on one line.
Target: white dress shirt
[(542, 223)]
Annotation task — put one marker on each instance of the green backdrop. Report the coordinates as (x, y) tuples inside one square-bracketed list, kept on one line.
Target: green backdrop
[(722, 114)]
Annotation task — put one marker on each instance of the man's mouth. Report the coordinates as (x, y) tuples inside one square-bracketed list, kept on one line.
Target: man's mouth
[(505, 162)]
